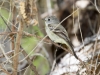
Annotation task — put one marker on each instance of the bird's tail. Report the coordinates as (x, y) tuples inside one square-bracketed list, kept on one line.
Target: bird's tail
[(72, 49)]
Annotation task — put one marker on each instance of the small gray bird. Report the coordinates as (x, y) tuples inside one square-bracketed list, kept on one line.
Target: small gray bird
[(57, 33)]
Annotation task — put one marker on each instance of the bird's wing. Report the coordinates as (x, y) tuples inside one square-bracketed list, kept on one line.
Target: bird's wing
[(60, 31), (68, 42)]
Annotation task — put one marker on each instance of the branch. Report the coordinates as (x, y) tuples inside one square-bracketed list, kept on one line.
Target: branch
[(87, 41), (17, 47), (4, 70), (33, 68)]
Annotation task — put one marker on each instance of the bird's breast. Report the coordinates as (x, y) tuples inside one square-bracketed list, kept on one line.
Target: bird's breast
[(53, 36)]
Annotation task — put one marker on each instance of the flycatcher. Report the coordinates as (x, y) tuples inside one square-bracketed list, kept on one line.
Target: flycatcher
[(57, 33)]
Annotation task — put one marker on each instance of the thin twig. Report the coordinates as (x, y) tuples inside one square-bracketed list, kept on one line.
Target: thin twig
[(8, 53), (9, 33), (70, 53), (3, 51), (4, 70), (33, 68), (5, 22)]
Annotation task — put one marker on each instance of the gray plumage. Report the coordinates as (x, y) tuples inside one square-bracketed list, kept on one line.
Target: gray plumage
[(57, 33)]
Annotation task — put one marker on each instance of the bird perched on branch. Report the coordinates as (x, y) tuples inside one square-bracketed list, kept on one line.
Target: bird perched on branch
[(57, 33)]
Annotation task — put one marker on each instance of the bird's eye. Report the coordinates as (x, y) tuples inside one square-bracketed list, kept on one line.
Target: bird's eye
[(48, 19)]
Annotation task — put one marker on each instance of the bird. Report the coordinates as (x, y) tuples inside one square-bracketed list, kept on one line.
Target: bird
[(57, 33)]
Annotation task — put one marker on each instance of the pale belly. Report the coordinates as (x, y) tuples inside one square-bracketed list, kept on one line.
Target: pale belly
[(54, 37)]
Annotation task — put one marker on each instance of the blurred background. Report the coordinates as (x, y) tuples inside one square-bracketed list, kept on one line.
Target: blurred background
[(82, 21)]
